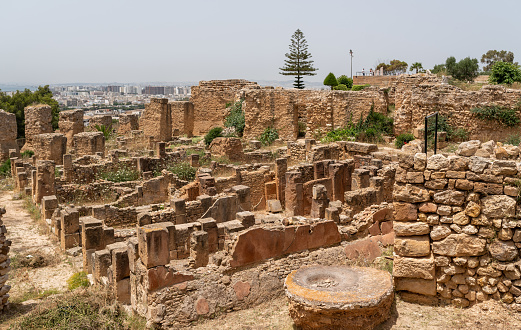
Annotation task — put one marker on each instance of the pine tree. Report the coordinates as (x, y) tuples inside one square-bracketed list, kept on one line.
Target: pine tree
[(297, 63), (331, 80)]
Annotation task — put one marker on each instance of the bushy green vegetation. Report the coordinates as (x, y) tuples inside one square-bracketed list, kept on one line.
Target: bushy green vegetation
[(183, 171), (359, 87), (212, 134), (105, 130), (369, 129), (514, 139), (402, 139), (340, 87), (5, 168), (394, 67), (269, 136), (122, 174), (503, 115), (330, 80), (504, 73), (19, 100), (345, 80), (236, 118), (27, 154), (78, 280), (465, 70)]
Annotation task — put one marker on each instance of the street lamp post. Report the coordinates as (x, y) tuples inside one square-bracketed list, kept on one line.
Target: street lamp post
[(351, 53)]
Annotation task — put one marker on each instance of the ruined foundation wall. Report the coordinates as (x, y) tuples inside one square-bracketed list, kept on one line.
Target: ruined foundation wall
[(156, 120), (37, 121), (320, 111), (419, 95), (127, 123), (9, 133), (209, 100), (4, 263), (70, 124), (458, 230), (182, 118)]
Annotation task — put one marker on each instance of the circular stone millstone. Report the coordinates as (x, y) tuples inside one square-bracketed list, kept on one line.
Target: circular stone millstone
[(339, 297)]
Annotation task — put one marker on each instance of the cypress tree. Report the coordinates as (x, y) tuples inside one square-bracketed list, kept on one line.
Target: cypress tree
[(297, 63)]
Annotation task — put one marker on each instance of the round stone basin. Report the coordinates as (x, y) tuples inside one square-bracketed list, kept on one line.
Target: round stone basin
[(341, 297)]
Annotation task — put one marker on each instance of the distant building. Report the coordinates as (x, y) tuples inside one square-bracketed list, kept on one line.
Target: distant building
[(154, 90)]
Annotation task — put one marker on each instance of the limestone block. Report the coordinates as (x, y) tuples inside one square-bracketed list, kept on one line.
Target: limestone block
[(102, 261), (411, 228), (411, 194), (153, 245), (414, 285), (468, 148), (412, 246), (478, 164), (496, 206), (428, 208), (120, 264), (437, 162), (247, 218), (449, 197), (503, 250), (414, 267), (456, 245)]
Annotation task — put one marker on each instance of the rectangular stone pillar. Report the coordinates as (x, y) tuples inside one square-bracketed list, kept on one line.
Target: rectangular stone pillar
[(336, 173), (294, 194), (243, 197), (199, 248), (193, 160), (281, 167), (153, 241), (70, 226), (320, 202), (179, 206), (360, 179), (44, 180)]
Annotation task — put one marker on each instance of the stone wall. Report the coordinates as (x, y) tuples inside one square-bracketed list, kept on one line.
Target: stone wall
[(209, 100), (182, 118), (50, 146), (101, 120), (37, 121), (319, 111), (458, 230), (71, 123), (89, 143), (4, 263), (9, 133), (419, 95), (380, 81), (156, 120), (127, 123)]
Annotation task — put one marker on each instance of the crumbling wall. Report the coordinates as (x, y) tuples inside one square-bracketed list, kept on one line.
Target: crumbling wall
[(50, 146), (127, 123), (318, 111), (182, 118), (9, 133), (37, 121), (156, 120), (4, 263), (458, 230), (70, 124), (417, 96), (101, 120), (209, 100), (89, 143)]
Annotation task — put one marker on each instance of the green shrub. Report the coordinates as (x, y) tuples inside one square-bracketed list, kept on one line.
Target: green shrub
[(301, 129), (27, 154), (78, 280), (122, 174), (403, 139), (369, 129), (212, 134), (514, 139), (502, 115), (269, 135), (5, 168), (340, 87), (504, 73), (359, 87), (236, 118), (344, 80), (459, 134), (330, 80), (105, 130), (183, 170)]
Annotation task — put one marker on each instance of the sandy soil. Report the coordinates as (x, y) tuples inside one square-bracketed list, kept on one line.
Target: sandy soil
[(274, 315)]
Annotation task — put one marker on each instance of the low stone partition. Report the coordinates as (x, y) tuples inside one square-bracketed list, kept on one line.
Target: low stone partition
[(458, 230), (4, 264)]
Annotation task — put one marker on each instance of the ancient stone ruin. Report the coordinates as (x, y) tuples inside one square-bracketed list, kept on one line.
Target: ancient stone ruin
[(180, 231)]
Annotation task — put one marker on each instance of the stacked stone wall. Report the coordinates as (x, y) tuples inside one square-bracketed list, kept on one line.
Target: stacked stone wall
[(182, 118), (70, 124), (458, 230), (417, 96), (127, 123), (9, 134), (156, 120), (37, 121), (4, 264)]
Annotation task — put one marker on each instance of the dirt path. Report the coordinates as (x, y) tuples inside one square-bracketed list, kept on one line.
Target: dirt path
[(38, 264)]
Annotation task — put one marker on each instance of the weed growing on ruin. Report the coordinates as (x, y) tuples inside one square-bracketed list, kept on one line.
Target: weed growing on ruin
[(212, 134), (236, 118), (27, 154), (122, 174), (197, 139), (514, 139), (77, 280), (5, 168), (403, 139), (503, 115), (269, 136), (107, 132), (33, 293), (84, 309), (183, 171), (301, 129), (6, 183), (359, 87), (369, 129), (31, 208)]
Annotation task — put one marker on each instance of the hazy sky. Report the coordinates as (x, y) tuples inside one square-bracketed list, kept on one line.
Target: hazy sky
[(49, 42)]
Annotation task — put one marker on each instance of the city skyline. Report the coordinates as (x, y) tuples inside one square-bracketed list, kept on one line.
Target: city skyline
[(63, 42)]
